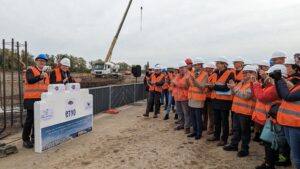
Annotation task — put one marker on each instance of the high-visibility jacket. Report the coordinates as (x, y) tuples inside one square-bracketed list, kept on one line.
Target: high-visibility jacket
[(239, 76), (211, 78), (181, 92), (194, 92), (34, 91), (222, 80), (166, 84), (242, 106), (289, 112), (155, 79), (170, 77), (260, 112), (58, 78), (174, 88)]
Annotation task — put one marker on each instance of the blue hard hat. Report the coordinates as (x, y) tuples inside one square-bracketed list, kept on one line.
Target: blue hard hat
[(42, 56)]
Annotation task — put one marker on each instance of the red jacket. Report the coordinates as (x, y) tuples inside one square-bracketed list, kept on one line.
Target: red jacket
[(269, 94)]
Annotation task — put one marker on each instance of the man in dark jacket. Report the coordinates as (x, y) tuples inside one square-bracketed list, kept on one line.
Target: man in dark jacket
[(36, 82)]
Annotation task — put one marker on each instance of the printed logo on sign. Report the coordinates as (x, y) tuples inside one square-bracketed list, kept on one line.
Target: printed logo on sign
[(70, 111), (73, 87), (88, 105), (46, 114), (56, 88)]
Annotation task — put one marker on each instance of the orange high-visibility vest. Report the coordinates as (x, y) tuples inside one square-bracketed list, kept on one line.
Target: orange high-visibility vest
[(155, 80), (181, 93), (211, 78), (289, 112), (171, 86), (238, 76), (34, 91), (242, 106), (222, 80), (260, 112), (194, 92), (58, 78), (166, 85)]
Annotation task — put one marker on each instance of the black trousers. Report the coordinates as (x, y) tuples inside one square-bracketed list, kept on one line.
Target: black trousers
[(28, 126), (271, 156), (154, 98), (221, 122), (241, 130)]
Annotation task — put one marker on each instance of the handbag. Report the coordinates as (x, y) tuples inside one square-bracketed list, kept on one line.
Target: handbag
[(267, 133)]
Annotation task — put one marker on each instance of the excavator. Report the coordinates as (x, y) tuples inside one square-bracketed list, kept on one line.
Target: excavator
[(108, 68)]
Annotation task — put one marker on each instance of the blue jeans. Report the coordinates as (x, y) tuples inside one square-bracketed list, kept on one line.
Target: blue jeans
[(292, 135), (196, 118), (170, 103), (163, 97)]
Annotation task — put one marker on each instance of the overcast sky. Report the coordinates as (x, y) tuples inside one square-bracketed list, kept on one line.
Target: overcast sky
[(172, 29)]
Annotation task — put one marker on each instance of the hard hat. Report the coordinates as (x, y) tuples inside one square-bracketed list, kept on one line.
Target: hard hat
[(65, 62), (239, 59), (210, 65), (280, 67), (199, 61), (278, 54), (290, 61), (250, 68), (222, 59), (264, 63), (157, 67), (42, 56), (231, 66), (164, 69), (188, 61), (181, 64)]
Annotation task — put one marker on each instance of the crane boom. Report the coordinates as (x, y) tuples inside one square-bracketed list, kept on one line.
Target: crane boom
[(113, 43)]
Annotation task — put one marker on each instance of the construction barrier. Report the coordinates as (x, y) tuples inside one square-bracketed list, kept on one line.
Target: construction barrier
[(113, 96)]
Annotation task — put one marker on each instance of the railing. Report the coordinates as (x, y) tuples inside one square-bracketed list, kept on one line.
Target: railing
[(113, 96)]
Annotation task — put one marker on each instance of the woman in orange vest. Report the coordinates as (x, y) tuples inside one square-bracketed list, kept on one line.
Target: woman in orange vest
[(181, 98), (61, 74), (288, 114), (209, 117), (155, 82), (242, 107), (196, 82), (164, 94), (222, 101), (35, 83), (171, 101), (266, 97)]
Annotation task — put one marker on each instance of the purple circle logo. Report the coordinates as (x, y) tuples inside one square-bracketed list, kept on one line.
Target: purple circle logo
[(73, 87), (56, 88)]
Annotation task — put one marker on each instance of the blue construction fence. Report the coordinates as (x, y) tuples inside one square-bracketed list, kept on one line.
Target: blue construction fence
[(114, 96)]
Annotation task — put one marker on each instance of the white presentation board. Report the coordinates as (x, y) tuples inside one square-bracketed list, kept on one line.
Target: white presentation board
[(64, 112)]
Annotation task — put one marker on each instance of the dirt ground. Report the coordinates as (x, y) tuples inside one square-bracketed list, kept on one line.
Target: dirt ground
[(128, 140)]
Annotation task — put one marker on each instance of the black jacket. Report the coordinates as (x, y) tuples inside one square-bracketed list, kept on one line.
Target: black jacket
[(222, 104), (63, 76)]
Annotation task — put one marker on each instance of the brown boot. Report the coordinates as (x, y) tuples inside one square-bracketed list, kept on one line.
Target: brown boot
[(212, 138), (187, 131)]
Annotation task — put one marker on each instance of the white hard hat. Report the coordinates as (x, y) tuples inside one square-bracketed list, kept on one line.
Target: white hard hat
[(198, 61), (290, 61), (65, 62), (210, 65), (264, 63), (279, 67), (250, 68), (157, 67), (239, 59), (181, 64), (278, 54), (231, 66), (222, 59)]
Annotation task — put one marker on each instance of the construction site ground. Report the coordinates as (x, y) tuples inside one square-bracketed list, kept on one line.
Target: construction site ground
[(128, 140)]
